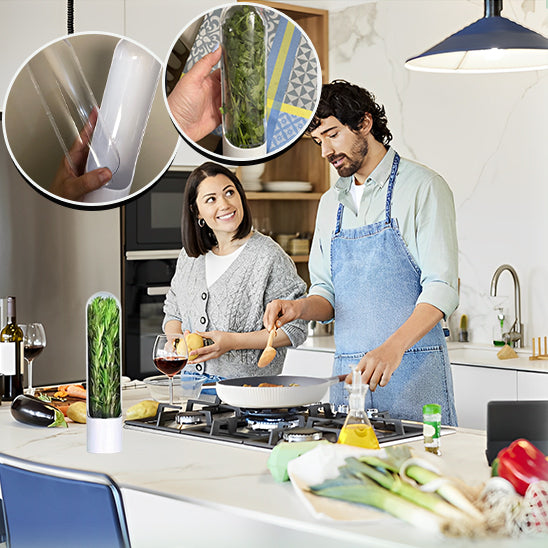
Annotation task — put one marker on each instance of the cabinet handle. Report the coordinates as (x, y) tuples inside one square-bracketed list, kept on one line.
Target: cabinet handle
[(162, 290)]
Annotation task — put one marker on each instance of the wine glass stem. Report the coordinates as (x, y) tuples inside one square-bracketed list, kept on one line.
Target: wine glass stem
[(170, 390), (30, 389)]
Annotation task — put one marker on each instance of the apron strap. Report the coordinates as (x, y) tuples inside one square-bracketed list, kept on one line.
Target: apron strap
[(391, 181), (338, 222)]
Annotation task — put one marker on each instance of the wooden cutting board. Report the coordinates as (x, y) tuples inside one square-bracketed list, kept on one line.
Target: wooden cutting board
[(62, 405)]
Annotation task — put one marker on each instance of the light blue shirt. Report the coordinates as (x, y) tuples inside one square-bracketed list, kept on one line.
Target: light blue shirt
[(422, 203)]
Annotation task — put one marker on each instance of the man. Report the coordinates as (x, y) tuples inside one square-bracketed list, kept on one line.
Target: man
[(383, 261)]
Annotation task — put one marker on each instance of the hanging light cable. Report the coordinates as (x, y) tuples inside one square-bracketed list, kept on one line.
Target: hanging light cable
[(490, 44)]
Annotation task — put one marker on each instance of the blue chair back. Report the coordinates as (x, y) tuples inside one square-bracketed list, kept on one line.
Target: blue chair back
[(50, 506)]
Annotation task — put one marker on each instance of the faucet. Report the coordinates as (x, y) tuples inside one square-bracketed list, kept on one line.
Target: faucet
[(515, 334)]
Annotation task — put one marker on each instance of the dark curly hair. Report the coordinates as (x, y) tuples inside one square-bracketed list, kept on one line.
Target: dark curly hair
[(349, 103), (199, 240)]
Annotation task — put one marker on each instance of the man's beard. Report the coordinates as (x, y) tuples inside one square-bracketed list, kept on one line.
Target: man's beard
[(357, 154)]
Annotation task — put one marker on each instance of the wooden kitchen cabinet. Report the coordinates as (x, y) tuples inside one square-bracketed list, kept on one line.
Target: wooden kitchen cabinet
[(295, 212), (475, 387)]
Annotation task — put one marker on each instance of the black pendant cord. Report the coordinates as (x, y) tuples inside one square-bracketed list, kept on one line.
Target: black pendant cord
[(70, 16), (493, 8)]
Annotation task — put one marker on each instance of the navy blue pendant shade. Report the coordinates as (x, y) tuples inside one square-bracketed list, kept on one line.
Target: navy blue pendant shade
[(490, 44)]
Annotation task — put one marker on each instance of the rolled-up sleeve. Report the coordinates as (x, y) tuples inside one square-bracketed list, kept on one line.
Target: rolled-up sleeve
[(437, 246)]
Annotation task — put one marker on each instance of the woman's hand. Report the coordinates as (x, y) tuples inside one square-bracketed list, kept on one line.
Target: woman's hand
[(378, 365), (196, 99), (74, 186), (223, 341)]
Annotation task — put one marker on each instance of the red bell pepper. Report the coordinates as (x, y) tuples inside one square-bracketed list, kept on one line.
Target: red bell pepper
[(521, 463)]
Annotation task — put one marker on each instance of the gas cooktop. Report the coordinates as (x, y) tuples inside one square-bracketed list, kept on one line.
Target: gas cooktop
[(264, 428)]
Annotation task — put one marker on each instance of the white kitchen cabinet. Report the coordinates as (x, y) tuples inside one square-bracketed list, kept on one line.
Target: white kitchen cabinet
[(157, 23), (186, 156), (27, 25), (475, 386), (309, 363), (532, 386)]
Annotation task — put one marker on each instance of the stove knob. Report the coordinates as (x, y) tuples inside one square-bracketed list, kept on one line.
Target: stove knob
[(372, 413)]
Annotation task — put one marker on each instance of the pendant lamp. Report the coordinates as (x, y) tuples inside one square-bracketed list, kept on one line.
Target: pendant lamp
[(491, 44)]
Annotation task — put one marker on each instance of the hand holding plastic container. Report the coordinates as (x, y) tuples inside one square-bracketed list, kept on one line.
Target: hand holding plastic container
[(127, 100), (243, 38), (71, 107)]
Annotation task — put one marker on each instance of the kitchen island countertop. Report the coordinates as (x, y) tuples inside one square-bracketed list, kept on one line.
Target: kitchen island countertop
[(186, 492)]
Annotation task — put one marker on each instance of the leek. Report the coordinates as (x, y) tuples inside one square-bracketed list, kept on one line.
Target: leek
[(366, 491), (393, 483)]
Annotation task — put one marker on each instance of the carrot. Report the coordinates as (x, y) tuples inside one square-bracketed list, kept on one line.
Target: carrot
[(76, 391), (65, 386), (63, 409)]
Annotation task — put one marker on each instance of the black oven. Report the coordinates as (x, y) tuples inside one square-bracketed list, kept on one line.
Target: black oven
[(151, 241)]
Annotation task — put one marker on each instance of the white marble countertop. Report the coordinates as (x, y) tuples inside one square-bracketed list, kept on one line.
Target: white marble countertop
[(180, 491), (459, 353)]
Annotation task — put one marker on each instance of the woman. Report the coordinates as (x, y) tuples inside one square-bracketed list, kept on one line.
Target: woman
[(226, 275)]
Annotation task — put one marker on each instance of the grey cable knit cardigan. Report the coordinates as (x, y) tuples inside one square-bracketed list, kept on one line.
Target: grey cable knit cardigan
[(236, 302)]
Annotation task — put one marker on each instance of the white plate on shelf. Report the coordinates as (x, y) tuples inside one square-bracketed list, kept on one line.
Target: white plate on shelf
[(287, 186)]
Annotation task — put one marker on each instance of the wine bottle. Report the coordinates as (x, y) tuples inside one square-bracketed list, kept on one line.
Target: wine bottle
[(11, 354)]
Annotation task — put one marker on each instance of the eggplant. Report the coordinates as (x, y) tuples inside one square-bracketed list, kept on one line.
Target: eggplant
[(34, 411)]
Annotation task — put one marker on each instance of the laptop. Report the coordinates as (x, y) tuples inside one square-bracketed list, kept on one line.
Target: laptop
[(510, 420)]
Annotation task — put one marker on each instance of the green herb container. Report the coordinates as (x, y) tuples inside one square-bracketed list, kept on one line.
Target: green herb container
[(104, 393), (243, 39)]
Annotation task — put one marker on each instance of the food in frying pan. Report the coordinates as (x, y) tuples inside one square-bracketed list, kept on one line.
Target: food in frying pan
[(269, 384)]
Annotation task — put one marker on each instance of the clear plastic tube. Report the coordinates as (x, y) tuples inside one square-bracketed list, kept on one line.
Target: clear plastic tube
[(243, 38), (125, 108), (69, 103)]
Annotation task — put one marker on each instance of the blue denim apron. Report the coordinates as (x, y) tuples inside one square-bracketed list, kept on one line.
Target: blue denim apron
[(377, 284)]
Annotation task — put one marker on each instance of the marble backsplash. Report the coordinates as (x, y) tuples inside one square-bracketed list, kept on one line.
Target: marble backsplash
[(485, 134)]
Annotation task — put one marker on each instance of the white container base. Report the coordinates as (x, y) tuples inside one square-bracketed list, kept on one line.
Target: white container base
[(104, 435), (231, 151)]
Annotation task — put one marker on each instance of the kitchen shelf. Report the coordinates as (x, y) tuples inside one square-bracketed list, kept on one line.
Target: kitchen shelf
[(283, 195), (300, 258)]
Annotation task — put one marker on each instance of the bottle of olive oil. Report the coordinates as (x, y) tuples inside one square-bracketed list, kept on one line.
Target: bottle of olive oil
[(357, 429), (11, 352)]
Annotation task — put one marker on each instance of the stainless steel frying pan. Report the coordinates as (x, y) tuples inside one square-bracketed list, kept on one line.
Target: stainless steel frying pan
[(305, 390)]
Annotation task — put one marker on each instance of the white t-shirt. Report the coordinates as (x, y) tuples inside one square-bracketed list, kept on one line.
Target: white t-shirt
[(357, 192), (217, 265)]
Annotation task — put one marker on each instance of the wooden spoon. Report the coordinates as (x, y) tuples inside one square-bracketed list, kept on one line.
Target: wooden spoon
[(269, 353)]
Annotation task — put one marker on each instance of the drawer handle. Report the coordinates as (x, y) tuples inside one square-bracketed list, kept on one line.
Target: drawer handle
[(162, 290)]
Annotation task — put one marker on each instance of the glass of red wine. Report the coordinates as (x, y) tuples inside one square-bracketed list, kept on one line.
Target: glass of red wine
[(170, 355), (34, 341)]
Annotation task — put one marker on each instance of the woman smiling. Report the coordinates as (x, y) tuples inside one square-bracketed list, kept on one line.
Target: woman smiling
[(226, 275)]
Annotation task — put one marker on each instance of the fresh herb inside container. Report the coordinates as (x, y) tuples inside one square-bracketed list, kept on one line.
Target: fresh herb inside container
[(244, 77), (104, 358)]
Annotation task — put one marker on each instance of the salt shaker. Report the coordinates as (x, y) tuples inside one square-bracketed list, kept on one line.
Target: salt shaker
[(431, 428)]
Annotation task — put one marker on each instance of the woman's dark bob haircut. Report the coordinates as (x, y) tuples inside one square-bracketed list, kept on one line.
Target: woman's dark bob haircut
[(198, 240), (349, 103)]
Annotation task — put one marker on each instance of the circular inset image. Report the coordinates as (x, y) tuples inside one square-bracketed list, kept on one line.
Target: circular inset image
[(86, 122), (242, 82)]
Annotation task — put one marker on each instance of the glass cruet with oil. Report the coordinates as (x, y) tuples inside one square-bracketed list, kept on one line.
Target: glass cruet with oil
[(357, 429)]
